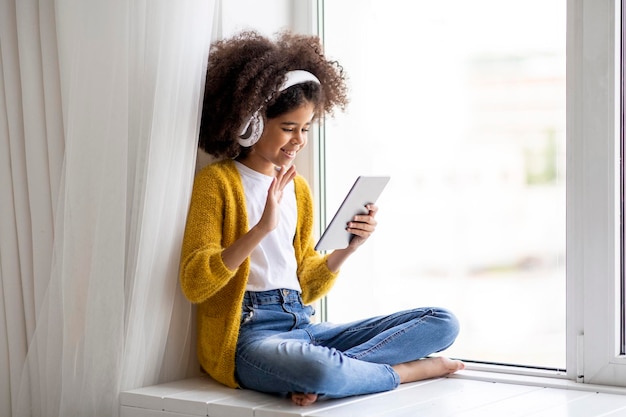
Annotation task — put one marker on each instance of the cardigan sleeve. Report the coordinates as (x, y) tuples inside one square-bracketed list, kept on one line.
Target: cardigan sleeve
[(208, 230), (315, 278)]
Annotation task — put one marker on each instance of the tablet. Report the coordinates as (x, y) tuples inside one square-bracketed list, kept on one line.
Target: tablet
[(365, 190)]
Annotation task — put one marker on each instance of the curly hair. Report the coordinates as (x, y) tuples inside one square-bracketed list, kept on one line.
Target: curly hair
[(245, 71)]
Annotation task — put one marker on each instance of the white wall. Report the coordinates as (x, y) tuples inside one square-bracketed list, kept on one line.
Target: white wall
[(267, 16)]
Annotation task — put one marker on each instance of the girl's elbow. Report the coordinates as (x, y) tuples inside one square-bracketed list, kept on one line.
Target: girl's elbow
[(191, 287)]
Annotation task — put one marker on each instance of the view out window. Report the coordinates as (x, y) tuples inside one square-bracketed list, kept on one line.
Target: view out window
[(463, 105)]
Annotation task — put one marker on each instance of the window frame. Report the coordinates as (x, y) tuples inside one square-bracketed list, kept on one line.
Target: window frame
[(593, 193)]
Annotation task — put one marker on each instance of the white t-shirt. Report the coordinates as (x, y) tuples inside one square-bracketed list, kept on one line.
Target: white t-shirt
[(273, 261)]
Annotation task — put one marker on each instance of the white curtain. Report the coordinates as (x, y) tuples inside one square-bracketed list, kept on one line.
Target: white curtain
[(99, 114)]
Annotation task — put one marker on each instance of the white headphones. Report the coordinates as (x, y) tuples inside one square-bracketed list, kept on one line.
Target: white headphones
[(253, 129)]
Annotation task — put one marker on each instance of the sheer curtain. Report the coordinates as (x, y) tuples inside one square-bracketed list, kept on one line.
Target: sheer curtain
[(99, 111)]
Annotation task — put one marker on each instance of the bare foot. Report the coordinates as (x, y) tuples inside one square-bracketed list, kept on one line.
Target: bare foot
[(427, 368), (303, 399)]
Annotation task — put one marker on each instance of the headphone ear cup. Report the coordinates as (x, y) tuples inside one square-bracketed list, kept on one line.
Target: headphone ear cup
[(252, 132)]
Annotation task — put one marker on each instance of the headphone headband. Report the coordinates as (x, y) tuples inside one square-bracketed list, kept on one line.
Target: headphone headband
[(297, 77), (253, 129)]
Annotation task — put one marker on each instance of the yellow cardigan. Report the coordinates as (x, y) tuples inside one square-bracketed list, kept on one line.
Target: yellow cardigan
[(218, 217)]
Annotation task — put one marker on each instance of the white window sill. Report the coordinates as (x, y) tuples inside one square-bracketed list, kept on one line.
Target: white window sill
[(531, 377)]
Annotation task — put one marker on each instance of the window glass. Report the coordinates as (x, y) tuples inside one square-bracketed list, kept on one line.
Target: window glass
[(463, 105)]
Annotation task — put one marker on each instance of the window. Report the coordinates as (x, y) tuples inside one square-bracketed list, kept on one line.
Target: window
[(481, 215), (466, 112)]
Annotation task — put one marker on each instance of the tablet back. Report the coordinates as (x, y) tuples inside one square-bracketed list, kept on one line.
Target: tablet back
[(366, 189)]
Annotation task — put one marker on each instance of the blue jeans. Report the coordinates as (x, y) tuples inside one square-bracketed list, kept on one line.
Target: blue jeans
[(280, 351)]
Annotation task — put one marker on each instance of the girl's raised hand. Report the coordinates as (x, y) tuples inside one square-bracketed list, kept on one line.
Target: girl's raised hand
[(271, 214)]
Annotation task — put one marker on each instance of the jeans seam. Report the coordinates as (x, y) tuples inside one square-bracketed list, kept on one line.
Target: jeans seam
[(392, 336), (428, 312)]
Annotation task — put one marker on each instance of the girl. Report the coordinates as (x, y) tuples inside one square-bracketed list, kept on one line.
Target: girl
[(248, 259)]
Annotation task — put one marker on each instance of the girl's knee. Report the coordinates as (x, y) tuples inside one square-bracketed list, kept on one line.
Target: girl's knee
[(449, 323)]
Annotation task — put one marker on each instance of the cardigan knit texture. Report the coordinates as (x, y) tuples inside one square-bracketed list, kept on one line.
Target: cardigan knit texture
[(217, 217)]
